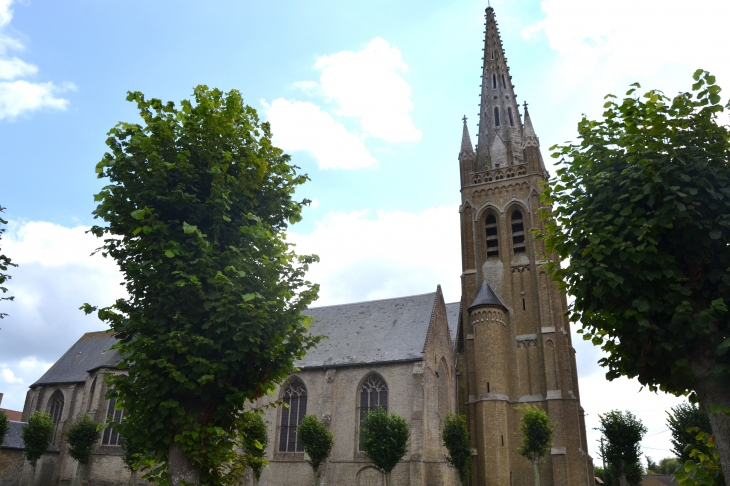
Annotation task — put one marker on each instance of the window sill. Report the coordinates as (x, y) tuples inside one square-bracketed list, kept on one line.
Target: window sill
[(288, 457)]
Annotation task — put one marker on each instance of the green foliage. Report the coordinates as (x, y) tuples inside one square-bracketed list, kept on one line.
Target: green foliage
[(36, 435), (385, 438), (622, 433), (600, 473), (316, 439), (455, 435), (195, 214), (132, 455), (83, 435), (668, 465), (5, 263), (4, 426), (536, 430), (702, 468), (255, 438), (640, 221), (681, 418)]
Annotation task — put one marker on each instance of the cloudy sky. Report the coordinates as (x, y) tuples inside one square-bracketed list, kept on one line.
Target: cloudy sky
[(367, 97)]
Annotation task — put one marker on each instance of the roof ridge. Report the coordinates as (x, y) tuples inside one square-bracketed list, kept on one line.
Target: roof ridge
[(369, 301)]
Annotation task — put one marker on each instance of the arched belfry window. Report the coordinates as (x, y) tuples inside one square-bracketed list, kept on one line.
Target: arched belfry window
[(373, 394), (295, 396), (518, 233), (511, 120), (55, 406), (496, 116), (492, 237), (113, 416)]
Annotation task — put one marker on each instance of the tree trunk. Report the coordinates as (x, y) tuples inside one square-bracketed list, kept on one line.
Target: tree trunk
[(388, 479), (31, 480), (622, 479), (133, 478), (180, 468), (536, 470), (715, 392), (317, 477)]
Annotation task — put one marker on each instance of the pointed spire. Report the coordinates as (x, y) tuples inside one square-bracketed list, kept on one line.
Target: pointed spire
[(528, 132), (466, 147), (486, 298), (499, 112)]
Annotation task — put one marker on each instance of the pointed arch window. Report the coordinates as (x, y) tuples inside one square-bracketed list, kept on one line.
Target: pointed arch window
[(504, 85), (492, 237), (509, 113), (55, 406), (373, 394), (518, 233), (496, 116), (494, 81), (295, 396), (113, 416)]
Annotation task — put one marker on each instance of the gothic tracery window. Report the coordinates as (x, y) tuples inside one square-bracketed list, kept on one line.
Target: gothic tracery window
[(373, 394), (55, 406), (295, 396), (492, 237), (518, 233), (113, 416)]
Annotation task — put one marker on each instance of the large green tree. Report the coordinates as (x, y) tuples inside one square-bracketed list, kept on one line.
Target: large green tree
[(641, 220), (5, 263), (621, 449), (537, 435), (195, 212)]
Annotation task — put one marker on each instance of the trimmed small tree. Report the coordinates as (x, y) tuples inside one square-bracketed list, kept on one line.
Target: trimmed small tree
[(623, 433), (4, 426), (36, 436), (255, 438), (82, 436), (455, 435), (537, 435), (681, 418), (385, 440), (5, 263), (131, 455), (317, 441)]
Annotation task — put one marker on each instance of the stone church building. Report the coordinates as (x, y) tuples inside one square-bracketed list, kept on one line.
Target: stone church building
[(506, 343)]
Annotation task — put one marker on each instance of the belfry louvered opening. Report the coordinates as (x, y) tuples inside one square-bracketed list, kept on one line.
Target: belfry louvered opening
[(492, 237), (518, 233)]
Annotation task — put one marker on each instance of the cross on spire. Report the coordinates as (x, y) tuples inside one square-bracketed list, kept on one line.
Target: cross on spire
[(464, 119), (525, 105)]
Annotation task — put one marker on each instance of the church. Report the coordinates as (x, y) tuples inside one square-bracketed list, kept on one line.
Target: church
[(505, 343)]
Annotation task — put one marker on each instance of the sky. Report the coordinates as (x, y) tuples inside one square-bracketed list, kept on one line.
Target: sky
[(367, 97)]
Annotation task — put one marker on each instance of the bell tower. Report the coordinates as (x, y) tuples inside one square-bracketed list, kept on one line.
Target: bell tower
[(514, 342)]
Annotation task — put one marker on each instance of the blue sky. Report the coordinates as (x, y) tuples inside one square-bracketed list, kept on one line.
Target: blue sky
[(368, 99)]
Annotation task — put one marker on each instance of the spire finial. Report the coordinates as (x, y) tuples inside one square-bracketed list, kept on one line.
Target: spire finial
[(464, 119), (525, 105)]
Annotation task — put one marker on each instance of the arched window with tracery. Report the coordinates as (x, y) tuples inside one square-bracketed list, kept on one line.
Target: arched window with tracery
[(113, 416), (295, 396), (518, 233), (55, 406), (492, 237), (373, 394)]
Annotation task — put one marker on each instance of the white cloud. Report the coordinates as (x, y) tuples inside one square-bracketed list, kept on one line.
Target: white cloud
[(365, 256), (20, 96), (299, 125), (56, 275), (367, 85), (611, 38)]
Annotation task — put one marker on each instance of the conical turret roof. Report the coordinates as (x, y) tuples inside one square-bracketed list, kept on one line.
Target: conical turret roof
[(466, 147), (486, 297)]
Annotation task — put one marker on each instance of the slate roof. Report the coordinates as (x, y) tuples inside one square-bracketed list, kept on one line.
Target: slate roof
[(14, 438), (370, 332), (89, 352), (360, 333), (486, 296)]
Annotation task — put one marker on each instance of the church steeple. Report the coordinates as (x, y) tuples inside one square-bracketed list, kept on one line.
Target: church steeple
[(498, 111)]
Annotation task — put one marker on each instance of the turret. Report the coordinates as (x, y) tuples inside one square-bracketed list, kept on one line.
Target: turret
[(531, 147), (466, 154)]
